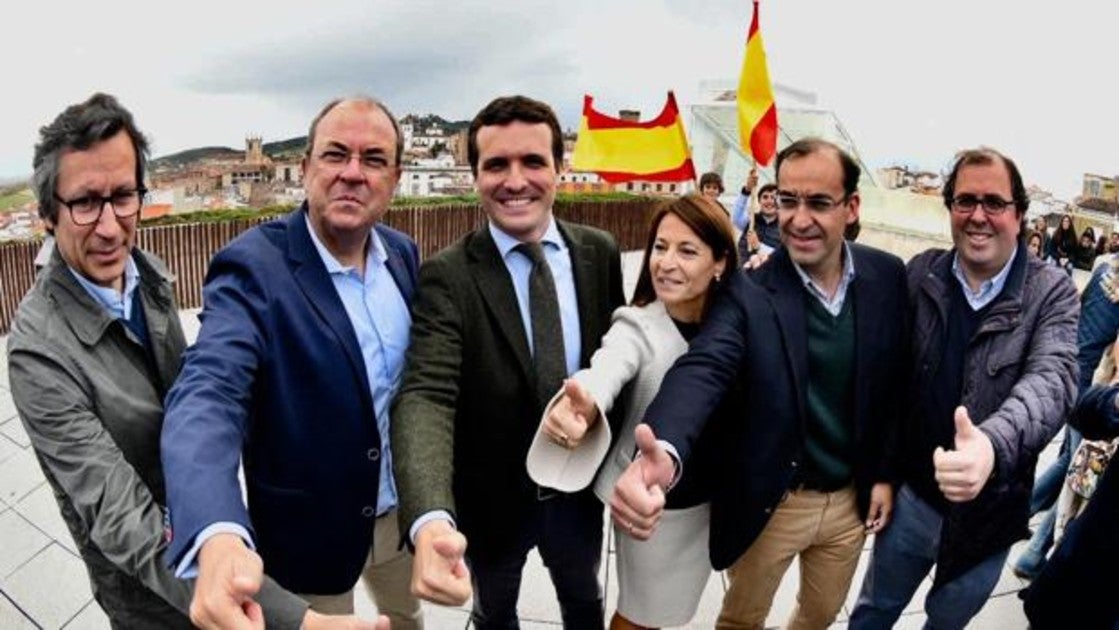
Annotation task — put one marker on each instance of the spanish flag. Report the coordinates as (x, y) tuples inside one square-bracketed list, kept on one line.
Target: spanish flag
[(757, 112), (622, 150)]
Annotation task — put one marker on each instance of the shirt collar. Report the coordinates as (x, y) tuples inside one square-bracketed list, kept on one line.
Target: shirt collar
[(118, 305), (505, 243), (377, 251), (990, 288), (841, 290)]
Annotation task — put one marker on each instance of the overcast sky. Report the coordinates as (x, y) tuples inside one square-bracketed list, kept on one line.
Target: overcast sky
[(912, 82)]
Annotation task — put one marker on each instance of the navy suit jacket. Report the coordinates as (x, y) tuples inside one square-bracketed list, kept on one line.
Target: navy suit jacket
[(278, 377), (755, 341)]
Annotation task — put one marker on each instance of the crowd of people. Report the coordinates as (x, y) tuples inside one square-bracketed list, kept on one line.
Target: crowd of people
[(1062, 247), (421, 428)]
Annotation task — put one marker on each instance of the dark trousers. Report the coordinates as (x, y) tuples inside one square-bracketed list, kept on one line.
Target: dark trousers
[(567, 531)]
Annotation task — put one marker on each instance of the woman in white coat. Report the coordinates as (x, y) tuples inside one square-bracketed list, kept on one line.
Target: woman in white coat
[(690, 249)]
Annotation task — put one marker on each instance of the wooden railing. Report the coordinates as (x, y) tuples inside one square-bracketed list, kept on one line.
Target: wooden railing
[(187, 249)]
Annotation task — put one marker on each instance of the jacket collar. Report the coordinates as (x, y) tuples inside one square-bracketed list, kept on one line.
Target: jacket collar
[(87, 318)]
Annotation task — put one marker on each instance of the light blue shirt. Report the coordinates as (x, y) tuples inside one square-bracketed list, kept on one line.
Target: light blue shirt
[(118, 305), (740, 214), (381, 322), (989, 289), (559, 259), (835, 304)]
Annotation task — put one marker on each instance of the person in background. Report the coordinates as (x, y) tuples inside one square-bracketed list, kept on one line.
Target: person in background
[(711, 185), (1042, 229), (689, 253), (1086, 252), (1063, 246), (1077, 584), (1096, 329), (1034, 244), (740, 212)]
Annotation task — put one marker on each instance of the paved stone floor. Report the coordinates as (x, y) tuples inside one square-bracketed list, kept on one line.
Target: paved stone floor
[(43, 582)]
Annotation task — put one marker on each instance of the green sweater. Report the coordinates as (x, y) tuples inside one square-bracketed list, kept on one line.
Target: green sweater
[(829, 445)]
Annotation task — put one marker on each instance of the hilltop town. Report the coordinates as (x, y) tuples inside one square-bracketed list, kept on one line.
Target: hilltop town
[(265, 174)]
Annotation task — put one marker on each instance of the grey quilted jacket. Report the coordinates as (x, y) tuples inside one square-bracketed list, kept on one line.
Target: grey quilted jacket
[(1019, 384)]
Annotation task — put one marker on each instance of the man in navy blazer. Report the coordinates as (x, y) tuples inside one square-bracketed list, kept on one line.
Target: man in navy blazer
[(815, 341), (304, 328)]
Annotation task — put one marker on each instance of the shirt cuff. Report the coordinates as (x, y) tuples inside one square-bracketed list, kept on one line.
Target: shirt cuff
[(427, 517), (188, 566), (675, 461)]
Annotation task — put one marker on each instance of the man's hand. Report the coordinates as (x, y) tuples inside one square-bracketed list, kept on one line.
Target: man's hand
[(229, 575), (755, 261), (318, 621), (439, 572), (751, 181), (638, 499), (881, 506), (962, 473), (571, 416)]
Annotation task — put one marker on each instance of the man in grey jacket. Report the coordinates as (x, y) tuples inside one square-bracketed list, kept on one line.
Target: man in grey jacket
[(94, 347), (994, 375)]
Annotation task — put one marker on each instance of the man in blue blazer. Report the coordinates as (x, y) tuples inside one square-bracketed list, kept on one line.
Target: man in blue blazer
[(304, 328), (815, 341)]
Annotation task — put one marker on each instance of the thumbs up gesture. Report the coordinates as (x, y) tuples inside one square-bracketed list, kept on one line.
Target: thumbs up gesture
[(962, 473), (638, 499), (570, 417)]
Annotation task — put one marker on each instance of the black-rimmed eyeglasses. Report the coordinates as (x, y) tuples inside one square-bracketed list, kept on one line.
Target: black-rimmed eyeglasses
[(87, 210), (992, 204)]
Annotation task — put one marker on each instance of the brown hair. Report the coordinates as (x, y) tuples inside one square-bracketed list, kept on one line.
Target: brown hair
[(710, 223)]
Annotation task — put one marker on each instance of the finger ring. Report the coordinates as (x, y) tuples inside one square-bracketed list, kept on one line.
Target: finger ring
[(629, 526), (563, 439)]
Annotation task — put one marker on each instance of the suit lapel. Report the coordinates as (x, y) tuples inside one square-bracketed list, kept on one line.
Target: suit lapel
[(492, 277), (399, 271), (311, 276), (869, 292), (788, 299)]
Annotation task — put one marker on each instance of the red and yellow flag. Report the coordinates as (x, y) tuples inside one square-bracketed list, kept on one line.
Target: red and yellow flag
[(757, 111), (623, 150)]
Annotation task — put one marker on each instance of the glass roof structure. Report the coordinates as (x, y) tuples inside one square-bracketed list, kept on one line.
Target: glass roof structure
[(714, 137)]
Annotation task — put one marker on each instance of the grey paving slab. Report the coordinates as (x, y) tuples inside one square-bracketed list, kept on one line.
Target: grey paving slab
[(7, 405), (41, 510), (13, 429), (19, 475), (90, 618), (19, 542), (11, 618), (7, 448), (51, 587), (1005, 612)]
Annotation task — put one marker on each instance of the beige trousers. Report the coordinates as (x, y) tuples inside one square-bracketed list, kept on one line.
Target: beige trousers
[(387, 576), (825, 530)]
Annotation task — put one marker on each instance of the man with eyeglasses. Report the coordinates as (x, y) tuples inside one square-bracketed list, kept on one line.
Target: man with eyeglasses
[(995, 370), (93, 348), (304, 327), (815, 342)]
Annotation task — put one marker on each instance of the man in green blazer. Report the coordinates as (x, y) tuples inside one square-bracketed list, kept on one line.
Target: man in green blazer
[(478, 374)]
